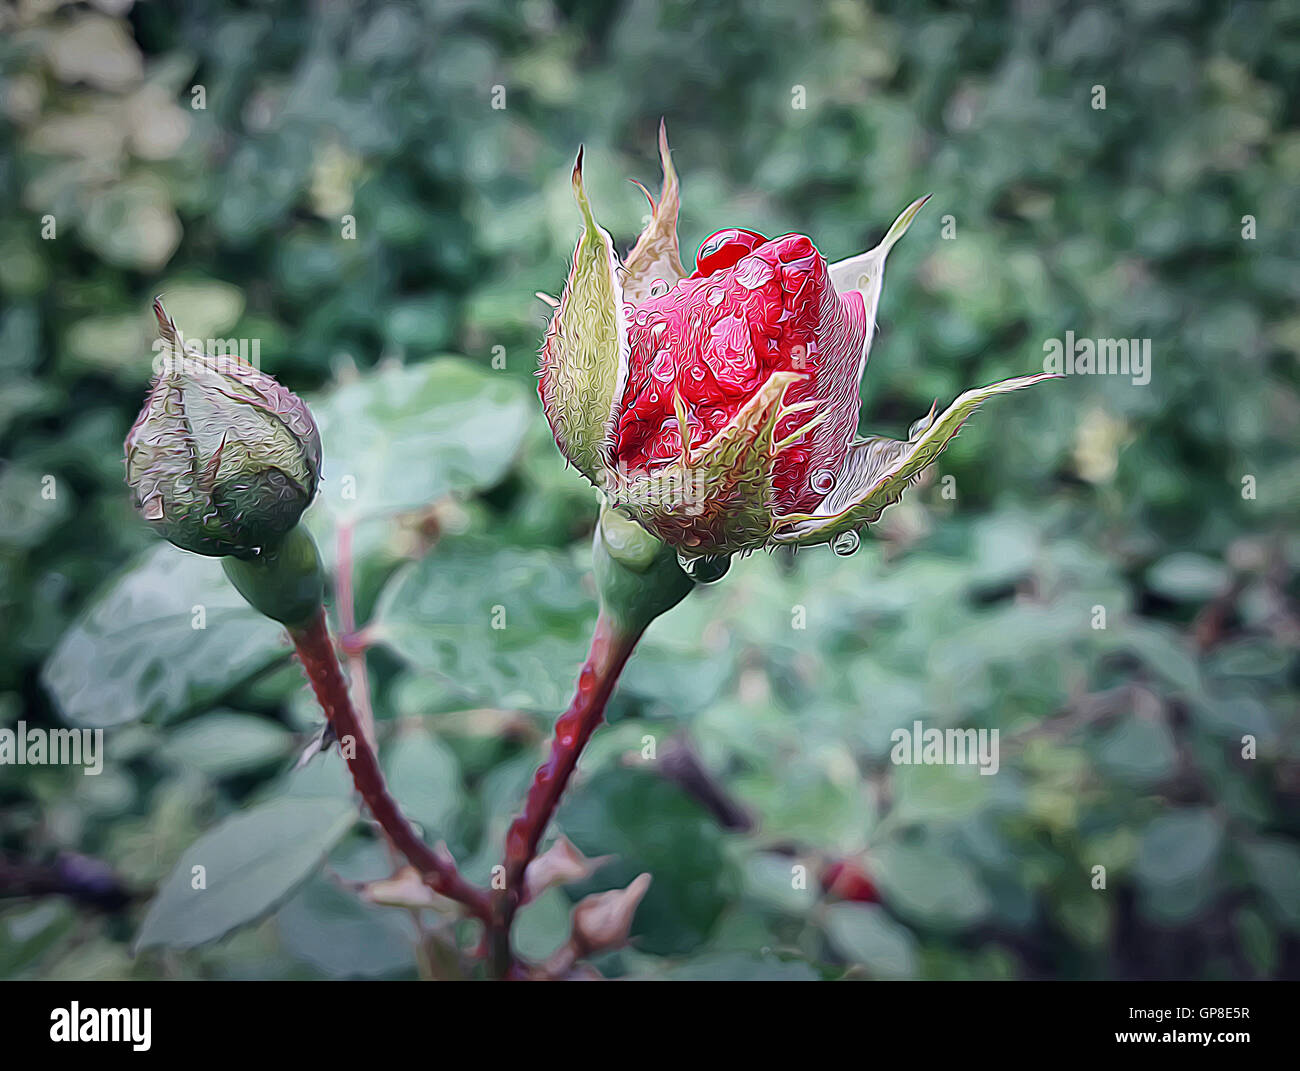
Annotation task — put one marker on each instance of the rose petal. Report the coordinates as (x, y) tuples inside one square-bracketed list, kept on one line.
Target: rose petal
[(711, 343)]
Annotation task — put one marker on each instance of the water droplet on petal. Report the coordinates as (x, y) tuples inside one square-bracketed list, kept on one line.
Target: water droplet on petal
[(658, 288), (823, 482), (755, 273), (662, 368), (642, 316), (715, 296), (846, 543)]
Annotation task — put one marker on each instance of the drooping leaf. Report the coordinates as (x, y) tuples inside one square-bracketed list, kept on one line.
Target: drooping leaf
[(251, 863), (505, 626), (168, 636), (865, 934), (406, 435)]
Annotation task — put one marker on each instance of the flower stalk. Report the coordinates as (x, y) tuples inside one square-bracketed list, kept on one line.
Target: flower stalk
[(610, 650), (222, 461), (320, 661), (638, 578)]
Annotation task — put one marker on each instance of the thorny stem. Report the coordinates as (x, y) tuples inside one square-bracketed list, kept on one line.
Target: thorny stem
[(347, 625), (610, 649), (436, 867)]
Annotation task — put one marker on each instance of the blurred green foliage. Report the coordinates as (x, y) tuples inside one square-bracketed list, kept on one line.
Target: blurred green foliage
[(1171, 507)]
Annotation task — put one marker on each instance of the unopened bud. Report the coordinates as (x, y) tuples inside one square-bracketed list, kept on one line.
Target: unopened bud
[(602, 921), (222, 460)]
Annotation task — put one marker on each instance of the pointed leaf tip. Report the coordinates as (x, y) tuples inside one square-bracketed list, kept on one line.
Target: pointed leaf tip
[(903, 222)]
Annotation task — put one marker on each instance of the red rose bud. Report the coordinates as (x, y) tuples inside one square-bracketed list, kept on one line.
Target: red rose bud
[(845, 880), (720, 410), (723, 249), (222, 460)]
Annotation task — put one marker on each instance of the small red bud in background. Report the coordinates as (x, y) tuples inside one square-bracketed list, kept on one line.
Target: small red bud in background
[(846, 880)]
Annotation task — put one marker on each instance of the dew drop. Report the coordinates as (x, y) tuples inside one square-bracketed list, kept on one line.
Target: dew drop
[(715, 296), (642, 316), (662, 366), (658, 288), (845, 543), (823, 482)]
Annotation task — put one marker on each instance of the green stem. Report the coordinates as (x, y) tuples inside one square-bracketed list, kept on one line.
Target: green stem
[(638, 578)]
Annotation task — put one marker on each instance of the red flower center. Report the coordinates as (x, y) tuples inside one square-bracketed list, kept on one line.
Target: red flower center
[(723, 248), (716, 337)]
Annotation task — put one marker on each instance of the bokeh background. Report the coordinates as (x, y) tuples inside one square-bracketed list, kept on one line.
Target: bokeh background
[(1170, 506)]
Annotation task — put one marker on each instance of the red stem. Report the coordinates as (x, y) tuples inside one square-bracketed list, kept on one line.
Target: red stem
[(436, 867), (356, 657), (610, 650)]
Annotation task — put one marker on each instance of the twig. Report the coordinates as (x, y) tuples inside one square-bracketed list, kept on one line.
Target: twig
[(436, 867), (356, 655), (610, 650)]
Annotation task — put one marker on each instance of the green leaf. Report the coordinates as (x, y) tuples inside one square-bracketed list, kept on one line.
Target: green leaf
[(1137, 750), (740, 967), (1256, 938), (504, 626), (225, 743), (931, 886), (1275, 866), (1188, 577), (768, 879), (425, 778), (865, 934), (649, 824), (27, 514), (543, 925), (1176, 863), (251, 863), (136, 653), (405, 435), (1162, 651), (337, 932)]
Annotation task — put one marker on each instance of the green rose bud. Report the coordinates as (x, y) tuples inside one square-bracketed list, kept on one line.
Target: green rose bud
[(222, 460)]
